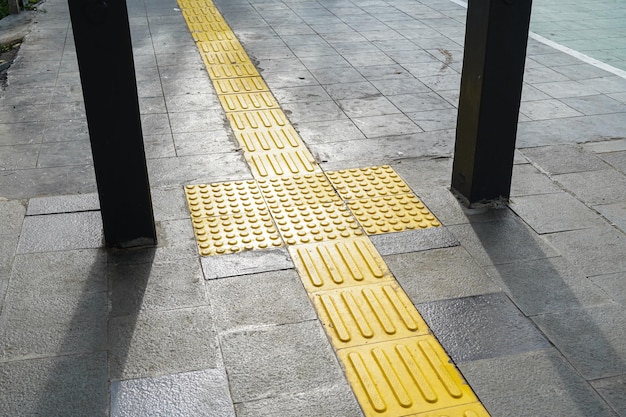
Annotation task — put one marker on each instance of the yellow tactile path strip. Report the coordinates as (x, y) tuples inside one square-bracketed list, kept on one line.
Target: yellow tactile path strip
[(394, 365)]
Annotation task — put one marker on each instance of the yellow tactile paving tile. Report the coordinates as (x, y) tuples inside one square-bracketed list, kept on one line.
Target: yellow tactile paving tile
[(210, 32), (302, 223), (217, 72), (404, 377), (368, 314), (269, 140), (258, 119), (240, 85), (194, 17), (296, 161), (339, 264), (466, 410), (359, 183), (218, 199), (224, 58), (220, 46), (248, 101), (235, 233), (303, 189), (392, 214)]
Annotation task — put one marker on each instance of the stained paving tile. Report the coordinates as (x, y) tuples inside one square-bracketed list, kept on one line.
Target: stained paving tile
[(501, 241), (272, 298), (198, 393), (244, 263), (292, 358), (413, 240), (439, 274), (154, 286), (63, 204), (509, 386), (613, 390), (479, 327), (564, 159), (336, 399), (594, 251), (55, 232), (593, 340), (548, 285), (155, 343), (549, 213), (62, 385)]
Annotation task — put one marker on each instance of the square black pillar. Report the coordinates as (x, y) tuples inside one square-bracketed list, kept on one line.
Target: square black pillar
[(496, 37), (107, 73)]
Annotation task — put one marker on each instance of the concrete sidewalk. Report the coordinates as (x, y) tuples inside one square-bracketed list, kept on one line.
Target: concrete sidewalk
[(528, 300)]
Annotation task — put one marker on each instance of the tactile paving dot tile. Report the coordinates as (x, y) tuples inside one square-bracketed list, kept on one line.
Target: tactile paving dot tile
[(248, 101), (392, 214), (359, 183), (368, 314), (258, 119), (301, 223), (466, 410), (278, 163), (405, 376), (240, 85), (339, 264), (269, 140), (310, 189), (235, 233), (218, 199)]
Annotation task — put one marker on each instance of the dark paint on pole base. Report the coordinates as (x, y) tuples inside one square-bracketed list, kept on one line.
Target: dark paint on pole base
[(496, 38), (107, 72)]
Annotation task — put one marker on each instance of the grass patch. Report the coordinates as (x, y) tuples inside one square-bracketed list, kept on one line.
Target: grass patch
[(28, 5), (4, 8)]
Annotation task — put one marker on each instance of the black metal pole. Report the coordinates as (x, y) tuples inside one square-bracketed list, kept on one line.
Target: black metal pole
[(105, 60), (496, 37)]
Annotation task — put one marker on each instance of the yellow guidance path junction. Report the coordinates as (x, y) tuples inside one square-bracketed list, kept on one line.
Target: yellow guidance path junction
[(395, 366)]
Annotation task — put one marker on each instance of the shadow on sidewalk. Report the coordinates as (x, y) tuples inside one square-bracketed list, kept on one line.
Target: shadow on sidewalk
[(552, 295), (77, 384)]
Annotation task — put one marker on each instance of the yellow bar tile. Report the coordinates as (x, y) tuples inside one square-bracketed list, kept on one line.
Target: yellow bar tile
[(392, 214), (220, 46), (301, 223), (217, 72), (298, 190), (465, 410), (339, 264), (240, 85), (358, 183), (278, 163), (403, 377), (211, 32), (224, 58), (193, 19), (218, 199), (248, 101), (235, 233), (282, 138), (368, 314), (258, 119)]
